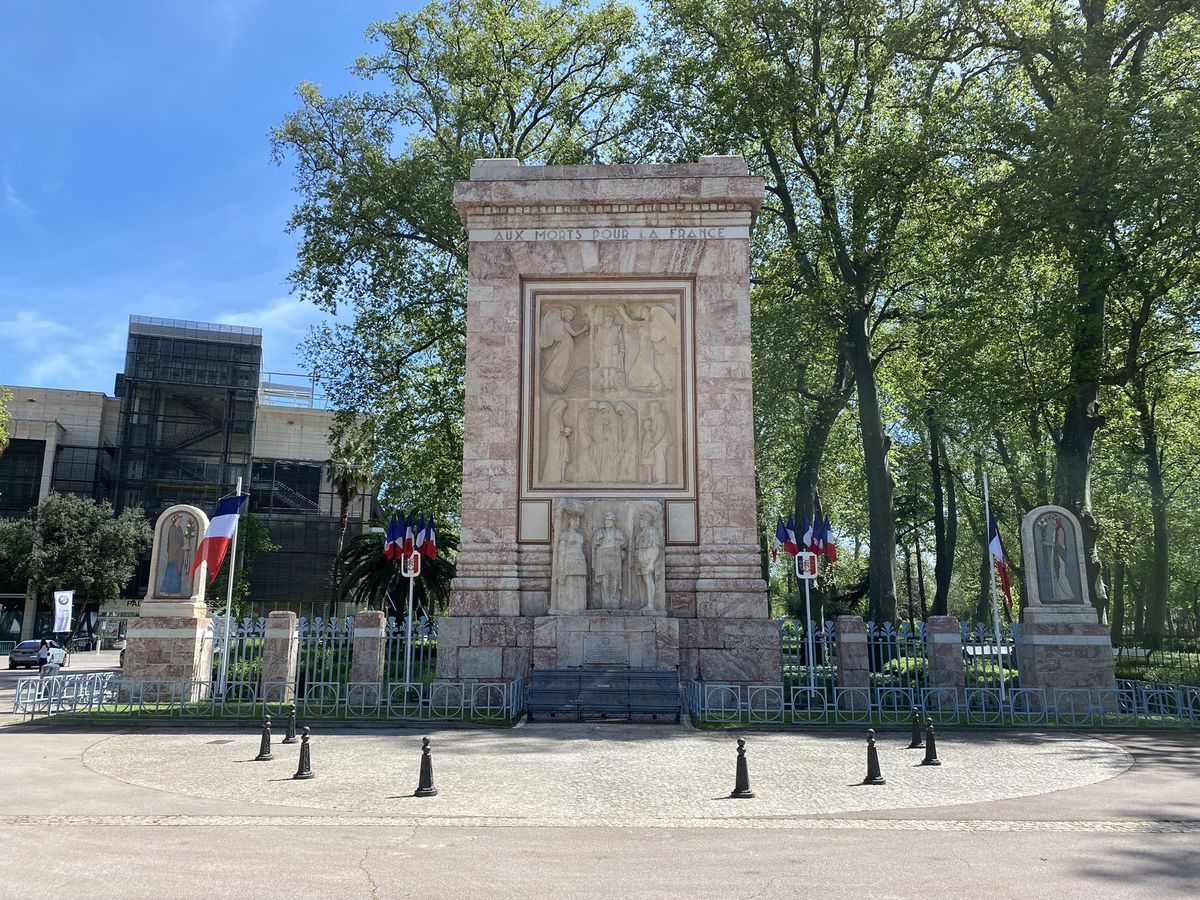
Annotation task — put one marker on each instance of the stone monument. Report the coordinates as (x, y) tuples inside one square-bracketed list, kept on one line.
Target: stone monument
[(166, 642), (609, 513), (1061, 642)]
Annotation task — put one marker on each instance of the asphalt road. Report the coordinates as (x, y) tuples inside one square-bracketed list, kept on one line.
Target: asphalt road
[(91, 835)]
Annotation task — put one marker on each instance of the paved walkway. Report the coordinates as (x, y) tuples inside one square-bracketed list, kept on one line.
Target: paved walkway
[(598, 811)]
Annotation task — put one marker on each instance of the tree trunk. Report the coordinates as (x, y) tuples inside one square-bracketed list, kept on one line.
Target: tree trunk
[(1157, 584), (1117, 628), (945, 518), (826, 409), (983, 607), (920, 578), (881, 565)]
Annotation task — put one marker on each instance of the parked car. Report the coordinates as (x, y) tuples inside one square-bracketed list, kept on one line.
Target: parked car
[(25, 655)]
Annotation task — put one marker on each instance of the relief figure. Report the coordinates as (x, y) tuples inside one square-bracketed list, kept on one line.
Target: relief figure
[(627, 461), (655, 445), (568, 566), (608, 351), (557, 342), (609, 548), (603, 436), (647, 556), (558, 445), (653, 329)]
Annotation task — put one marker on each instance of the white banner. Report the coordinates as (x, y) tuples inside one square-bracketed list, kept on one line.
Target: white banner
[(63, 601)]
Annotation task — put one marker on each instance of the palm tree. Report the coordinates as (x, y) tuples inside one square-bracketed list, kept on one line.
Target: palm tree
[(349, 472)]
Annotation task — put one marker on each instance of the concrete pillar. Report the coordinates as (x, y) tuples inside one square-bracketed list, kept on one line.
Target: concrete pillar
[(367, 656), (281, 649), (48, 454), (944, 653), (30, 614), (854, 666)]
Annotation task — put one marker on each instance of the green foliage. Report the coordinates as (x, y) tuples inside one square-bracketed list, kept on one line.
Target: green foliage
[(69, 542), (371, 581), (5, 415), (380, 240)]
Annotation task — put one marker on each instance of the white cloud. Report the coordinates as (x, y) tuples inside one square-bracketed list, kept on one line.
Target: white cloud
[(14, 207), (284, 322), (47, 353)]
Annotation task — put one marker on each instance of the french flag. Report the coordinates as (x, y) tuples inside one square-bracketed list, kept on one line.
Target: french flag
[(428, 546), (790, 544), (818, 539), (220, 533), (419, 540), (408, 534), (807, 540), (997, 551), (391, 540), (830, 546), (780, 538)]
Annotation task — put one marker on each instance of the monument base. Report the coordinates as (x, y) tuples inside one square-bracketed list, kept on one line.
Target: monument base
[(504, 648), (1065, 648), (167, 650)]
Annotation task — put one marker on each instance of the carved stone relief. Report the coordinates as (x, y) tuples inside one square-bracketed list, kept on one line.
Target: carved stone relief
[(608, 555), (607, 401)]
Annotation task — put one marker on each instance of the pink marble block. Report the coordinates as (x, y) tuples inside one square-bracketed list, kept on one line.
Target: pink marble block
[(281, 649), (944, 652), (367, 657)]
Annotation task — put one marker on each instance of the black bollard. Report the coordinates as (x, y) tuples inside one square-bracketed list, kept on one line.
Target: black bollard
[(931, 758), (304, 770), (264, 745), (290, 737), (741, 784), (874, 776), (917, 732), (425, 786)]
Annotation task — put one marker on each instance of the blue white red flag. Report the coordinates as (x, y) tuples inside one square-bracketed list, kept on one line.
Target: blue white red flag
[(391, 540), (419, 532), (790, 544), (428, 547), (219, 535), (408, 534), (830, 546), (780, 538), (806, 535), (997, 551), (818, 539)]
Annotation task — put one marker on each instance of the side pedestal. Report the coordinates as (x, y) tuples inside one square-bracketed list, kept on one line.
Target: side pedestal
[(168, 650), (1065, 649)]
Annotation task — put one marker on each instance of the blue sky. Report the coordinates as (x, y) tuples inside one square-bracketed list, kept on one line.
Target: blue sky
[(135, 170)]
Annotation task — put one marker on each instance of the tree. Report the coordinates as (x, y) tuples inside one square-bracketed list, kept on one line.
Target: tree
[(372, 581), (1098, 141), (350, 471), (851, 111), (69, 542), (5, 415), (379, 235)]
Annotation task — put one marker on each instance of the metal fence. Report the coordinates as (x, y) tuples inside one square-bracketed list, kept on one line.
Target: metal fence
[(1174, 659), (7, 647), (800, 642), (103, 695), (1133, 704), (324, 656)]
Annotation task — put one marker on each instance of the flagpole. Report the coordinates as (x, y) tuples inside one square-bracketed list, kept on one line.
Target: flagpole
[(229, 598), (410, 568), (987, 528)]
